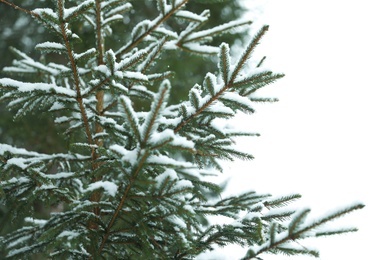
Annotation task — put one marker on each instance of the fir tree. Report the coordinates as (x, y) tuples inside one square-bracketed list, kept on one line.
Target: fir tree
[(133, 180)]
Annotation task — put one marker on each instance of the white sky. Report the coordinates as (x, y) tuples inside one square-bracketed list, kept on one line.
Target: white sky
[(329, 136)]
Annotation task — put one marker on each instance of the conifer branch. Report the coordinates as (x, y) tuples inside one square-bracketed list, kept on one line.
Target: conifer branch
[(151, 58), (233, 77), (192, 27), (156, 52), (201, 109), (131, 117), (123, 199), (276, 242), (110, 106), (249, 50), (155, 111), (96, 87), (86, 5), (72, 61), (224, 28), (131, 45), (105, 80)]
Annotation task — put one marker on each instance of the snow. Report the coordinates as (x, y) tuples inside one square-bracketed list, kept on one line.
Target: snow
[(252, 215), (71, 11), (235, 97), (170, 45), (209, 32), (166, 32), (155, 21), (158, 137), (118, 85), (59, 175), (40, 66), (60, 67), (112, 19), (196, 173), (56, 106), (110, 187), (119, 75), (39, 222), (205, 49), (107, 121), (19, 70), (177, 222), (47, 187), (189, 208), (168, 173), (69, 234), (183, 184), (61, 119), (31, 87), (190, 16), (87, 52), (118, 9), (21, 250), (18, 241), (19, 162), (219, 107), (139, 29), (15, 180), (135, 75), (50, 45), (335, 211), (215, 88), (21, 151), (171, 121), (128, 60), (46, 11), (129, 156), (103, 69), (165, 160), (119, 149), (182, 142)]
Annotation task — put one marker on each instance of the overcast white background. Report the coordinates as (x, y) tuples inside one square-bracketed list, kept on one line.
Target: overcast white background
[(329, 136)]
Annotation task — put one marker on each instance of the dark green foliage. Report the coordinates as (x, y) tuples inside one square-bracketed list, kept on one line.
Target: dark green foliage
[(133, 181)]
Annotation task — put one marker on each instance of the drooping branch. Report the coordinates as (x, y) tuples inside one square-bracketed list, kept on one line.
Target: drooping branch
[(269, 245)]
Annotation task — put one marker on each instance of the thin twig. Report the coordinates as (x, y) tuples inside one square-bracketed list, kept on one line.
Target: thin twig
[(122, 201), (164, 18), (20, 8)]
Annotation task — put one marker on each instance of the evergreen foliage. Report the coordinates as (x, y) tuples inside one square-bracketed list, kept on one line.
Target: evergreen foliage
[(133, 182)]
